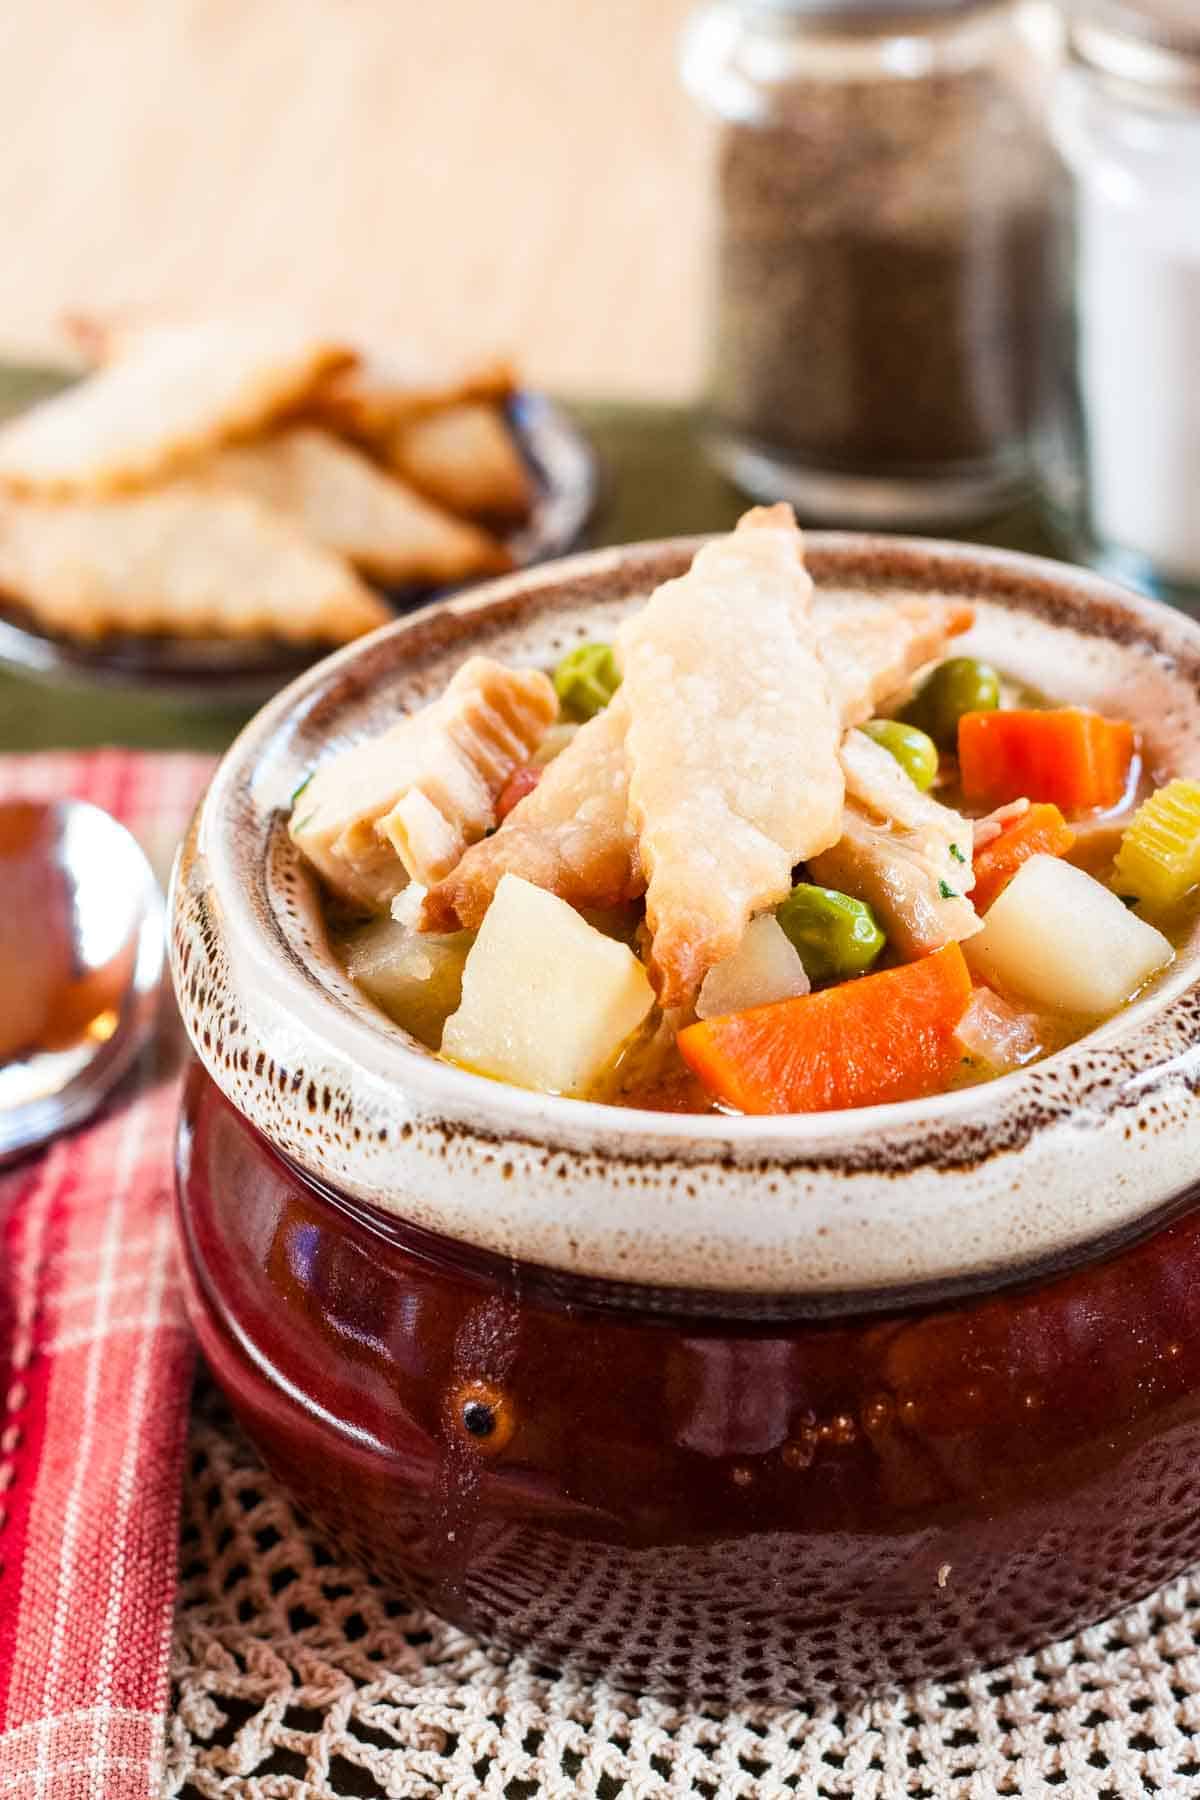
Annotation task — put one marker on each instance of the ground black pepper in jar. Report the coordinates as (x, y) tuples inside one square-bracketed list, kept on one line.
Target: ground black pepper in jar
[(882, 252)]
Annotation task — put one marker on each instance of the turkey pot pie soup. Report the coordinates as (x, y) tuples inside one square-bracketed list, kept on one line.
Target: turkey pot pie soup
[(753, 855)]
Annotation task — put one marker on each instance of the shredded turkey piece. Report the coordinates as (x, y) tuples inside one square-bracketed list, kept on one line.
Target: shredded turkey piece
[(871, 654), (408, 803), (902, 852)]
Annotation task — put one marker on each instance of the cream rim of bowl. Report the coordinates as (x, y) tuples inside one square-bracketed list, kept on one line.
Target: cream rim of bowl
[(984, 1181)]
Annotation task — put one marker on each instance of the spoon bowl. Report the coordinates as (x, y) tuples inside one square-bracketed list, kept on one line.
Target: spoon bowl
[(81, 964)]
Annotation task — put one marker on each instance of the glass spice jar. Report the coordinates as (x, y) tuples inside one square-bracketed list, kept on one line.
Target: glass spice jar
[(1121, 448), (882, 240)]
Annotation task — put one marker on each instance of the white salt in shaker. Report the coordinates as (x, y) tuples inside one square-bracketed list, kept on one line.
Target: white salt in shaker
[(1121, 452)]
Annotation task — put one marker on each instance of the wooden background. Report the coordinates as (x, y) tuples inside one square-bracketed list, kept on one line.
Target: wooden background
[(461, 174)]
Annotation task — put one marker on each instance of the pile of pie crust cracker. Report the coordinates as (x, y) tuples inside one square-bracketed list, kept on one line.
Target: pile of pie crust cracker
[(243, 479)]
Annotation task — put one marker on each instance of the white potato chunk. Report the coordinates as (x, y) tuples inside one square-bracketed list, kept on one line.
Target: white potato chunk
[(764, 967), (416, 978), (547, 1000), (1058, 937)]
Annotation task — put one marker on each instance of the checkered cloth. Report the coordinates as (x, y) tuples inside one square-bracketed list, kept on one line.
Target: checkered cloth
[(95, 1366)]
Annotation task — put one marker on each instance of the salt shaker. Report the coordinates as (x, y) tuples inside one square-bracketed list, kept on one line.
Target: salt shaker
[(1121, 451), (881, 252)]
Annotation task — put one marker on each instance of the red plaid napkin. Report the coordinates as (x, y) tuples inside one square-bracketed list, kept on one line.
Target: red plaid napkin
[(95, 1366)]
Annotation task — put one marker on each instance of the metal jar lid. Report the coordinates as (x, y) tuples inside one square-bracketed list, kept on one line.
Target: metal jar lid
[(1149, 45)]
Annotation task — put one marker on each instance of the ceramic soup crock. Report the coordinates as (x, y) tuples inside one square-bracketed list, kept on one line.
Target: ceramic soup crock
[(725, 1407)]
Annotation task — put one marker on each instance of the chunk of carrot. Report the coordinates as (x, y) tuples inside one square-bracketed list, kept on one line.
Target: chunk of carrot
[(1042, 831), (882, 1037), (1076, 759)]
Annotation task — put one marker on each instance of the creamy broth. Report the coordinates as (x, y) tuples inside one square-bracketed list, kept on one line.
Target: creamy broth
[(752, 857), (650, 1073)]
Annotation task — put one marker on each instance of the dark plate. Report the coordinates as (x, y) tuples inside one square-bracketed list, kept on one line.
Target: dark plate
[(206, 669)]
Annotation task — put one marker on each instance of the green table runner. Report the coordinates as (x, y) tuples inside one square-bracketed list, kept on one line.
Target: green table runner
[(655, 482)]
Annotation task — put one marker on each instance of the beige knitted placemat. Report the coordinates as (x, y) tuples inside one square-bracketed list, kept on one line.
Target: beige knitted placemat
[(298, 1678)]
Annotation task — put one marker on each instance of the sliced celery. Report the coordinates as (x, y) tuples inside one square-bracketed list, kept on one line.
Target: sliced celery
[(1159, 859)]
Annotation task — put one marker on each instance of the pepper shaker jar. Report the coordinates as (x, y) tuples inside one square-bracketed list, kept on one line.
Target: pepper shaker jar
[(882, 252), (1121, 463)]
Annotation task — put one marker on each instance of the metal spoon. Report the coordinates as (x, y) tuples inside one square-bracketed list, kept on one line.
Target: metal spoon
[(81, 964)]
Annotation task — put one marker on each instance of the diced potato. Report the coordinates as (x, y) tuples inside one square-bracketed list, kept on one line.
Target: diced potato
[(1059, 938), (547, 1001), (415, 978), (764, 967)]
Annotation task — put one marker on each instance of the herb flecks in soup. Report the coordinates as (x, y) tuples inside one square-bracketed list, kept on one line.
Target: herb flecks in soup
[(752, 855)]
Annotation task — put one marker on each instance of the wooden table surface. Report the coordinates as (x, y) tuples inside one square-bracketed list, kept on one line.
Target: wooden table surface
[(525, 175)]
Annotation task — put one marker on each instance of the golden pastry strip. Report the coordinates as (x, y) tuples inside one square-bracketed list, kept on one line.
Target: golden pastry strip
[(573, 834), (339, 499), (181, 560), (170, 393), (732, 744), (464, 458)]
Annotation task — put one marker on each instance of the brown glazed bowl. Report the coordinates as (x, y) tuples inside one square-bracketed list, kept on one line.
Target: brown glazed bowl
[(719, 1407)]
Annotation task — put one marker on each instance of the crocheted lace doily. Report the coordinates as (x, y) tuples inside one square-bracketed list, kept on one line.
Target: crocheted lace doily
[(296, 1677)]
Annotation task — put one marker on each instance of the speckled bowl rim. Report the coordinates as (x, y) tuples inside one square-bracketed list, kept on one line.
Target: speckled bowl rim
[(899, 1137)]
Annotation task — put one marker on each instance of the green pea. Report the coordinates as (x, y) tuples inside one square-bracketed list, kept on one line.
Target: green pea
[(959, 685), (586, 679), (833, 935), (912, 748)]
